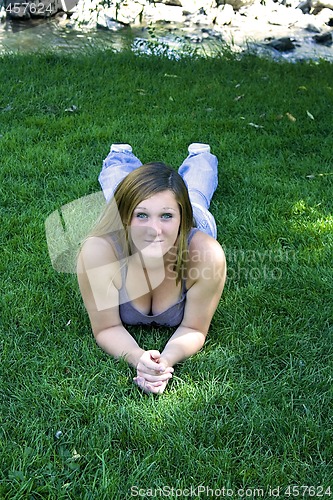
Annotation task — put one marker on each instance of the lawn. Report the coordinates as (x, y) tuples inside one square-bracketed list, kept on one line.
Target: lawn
[(251, 414)]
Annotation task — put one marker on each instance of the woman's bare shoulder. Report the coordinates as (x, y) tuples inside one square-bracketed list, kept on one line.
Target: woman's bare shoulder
[(96, 251), (205, 247)]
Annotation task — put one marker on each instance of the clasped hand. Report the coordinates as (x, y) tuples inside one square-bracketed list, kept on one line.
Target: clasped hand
[(153, 373)]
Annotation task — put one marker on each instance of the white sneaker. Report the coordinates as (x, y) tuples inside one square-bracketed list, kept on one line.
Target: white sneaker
[(120, 148), (197, 147)]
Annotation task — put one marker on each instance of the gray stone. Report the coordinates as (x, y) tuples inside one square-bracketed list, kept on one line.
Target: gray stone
[(284, 44), (324, 16), (324, 39), (239, 4), (322, 4), (312, 28), (174, 3), (305, 6), (160, 12), (225, 15)]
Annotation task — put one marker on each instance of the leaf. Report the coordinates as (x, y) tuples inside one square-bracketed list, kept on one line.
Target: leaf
[(75, 454), (309, 115), (290, 117), (72, 109), (9, 107), (255, 125), (73, 466), (17, 475)]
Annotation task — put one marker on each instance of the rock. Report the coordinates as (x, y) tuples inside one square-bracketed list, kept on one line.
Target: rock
[(195, 5), (305, 6), (173, 3), (324, 39), (126, 14), (312, 28), (284, 44), (104, 22), (159, 12), (324, 16), (68, 6), (238, 4), (225, 15), (255, 11), (294, 4), (284, 16), (318, 5), (308, 23), (86, 14), (199, 19)]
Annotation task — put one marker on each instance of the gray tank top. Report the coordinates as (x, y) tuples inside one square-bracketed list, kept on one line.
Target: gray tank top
[(171, 317)]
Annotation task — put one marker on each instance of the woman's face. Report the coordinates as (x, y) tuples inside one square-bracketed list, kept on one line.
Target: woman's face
[(155, 224)]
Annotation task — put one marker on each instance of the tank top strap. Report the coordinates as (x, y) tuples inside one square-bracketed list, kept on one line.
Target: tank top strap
[(193, 231)]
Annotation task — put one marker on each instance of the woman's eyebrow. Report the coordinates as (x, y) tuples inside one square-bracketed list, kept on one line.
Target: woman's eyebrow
[(163, 208)]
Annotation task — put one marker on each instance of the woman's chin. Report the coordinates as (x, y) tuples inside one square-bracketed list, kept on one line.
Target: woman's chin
[(153, 253)]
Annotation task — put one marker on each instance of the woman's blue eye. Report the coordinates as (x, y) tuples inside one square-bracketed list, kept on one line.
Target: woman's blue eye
[(143, 215)]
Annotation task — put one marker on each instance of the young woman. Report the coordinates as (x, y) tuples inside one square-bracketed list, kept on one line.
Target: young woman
[(153, 259)]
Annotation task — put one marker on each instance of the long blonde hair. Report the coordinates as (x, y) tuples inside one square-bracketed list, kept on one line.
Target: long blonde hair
[(138, 185)]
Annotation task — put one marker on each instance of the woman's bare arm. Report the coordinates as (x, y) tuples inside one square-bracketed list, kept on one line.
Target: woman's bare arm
[(201, 302), (98, 272)]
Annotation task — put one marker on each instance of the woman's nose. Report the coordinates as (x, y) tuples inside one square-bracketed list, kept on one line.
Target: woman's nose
[(155, 228)]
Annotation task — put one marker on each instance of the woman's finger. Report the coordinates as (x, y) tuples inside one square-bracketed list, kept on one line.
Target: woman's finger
[(154, 378), (147, 364), (150, 388)]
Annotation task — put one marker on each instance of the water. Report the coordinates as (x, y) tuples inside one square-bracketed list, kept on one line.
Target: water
[(43, 34), (36, 35)]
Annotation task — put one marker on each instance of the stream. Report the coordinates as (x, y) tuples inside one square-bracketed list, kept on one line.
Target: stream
[(47, 34)]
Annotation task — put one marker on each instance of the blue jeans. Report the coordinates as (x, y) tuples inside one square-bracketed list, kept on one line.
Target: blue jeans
[(199, 172)]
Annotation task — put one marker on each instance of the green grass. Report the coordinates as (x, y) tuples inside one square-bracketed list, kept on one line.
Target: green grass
[(253, 409)]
